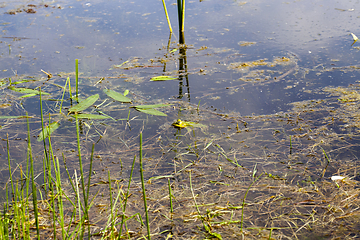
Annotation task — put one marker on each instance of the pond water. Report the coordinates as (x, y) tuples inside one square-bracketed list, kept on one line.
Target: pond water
[(252, 73)]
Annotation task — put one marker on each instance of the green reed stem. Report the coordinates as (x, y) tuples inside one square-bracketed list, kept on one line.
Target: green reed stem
[(290, 145), (47, 163), (81, 170), (59, 196), (111, 208), (183, 16), (9, 163), (63, 95), (77, 78), (325, 155), (170, 197), (126, 198), (51, 187), (167, 16), (243, 204), (5, 221), (78, 203), (143, 189), (32, 180)]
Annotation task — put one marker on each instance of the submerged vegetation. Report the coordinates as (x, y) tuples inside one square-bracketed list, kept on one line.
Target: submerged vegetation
[(222, 176)]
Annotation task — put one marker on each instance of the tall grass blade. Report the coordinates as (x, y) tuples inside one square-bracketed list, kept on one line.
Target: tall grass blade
[(82, 172), (167, 15), (33, 187), (126, 198), (63, 95), (9, 163), (77, 78), (170, 197), (143, 190), (243, 203)]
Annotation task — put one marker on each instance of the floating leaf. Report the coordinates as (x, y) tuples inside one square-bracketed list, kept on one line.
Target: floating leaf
[(126, 92), (28, 95), (84, 104), (151, 111), (163, 78), (27, 90), (174, 50), (21, 81), (117, 96), (48, 130), (90, 116), (151, 106)]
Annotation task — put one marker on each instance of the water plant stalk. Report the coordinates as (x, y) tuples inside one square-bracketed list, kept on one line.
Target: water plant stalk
[(77, 78), (181, 20), (143, 190), (243, 203), (33, 187), (126, 198), (9, 163), (170, 197), (82, 171), (167, 16)]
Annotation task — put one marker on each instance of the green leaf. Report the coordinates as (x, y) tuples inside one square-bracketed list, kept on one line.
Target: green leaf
[(3, 82), (151, 111), (151, 106), (6, 117), (22, 81), (27, 90), (84, 104), (163, 78), (217, 235), (28, 95), (48, 130), (117, 96), (90, 116), (126, 92)]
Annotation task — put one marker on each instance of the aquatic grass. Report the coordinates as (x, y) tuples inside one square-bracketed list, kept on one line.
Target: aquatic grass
[(63, 95), (170, 197), (244, 199), (77, 78), (85, 196), (205, 223), (33, 187), (143, 189), (167, 16), (126, 198)]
